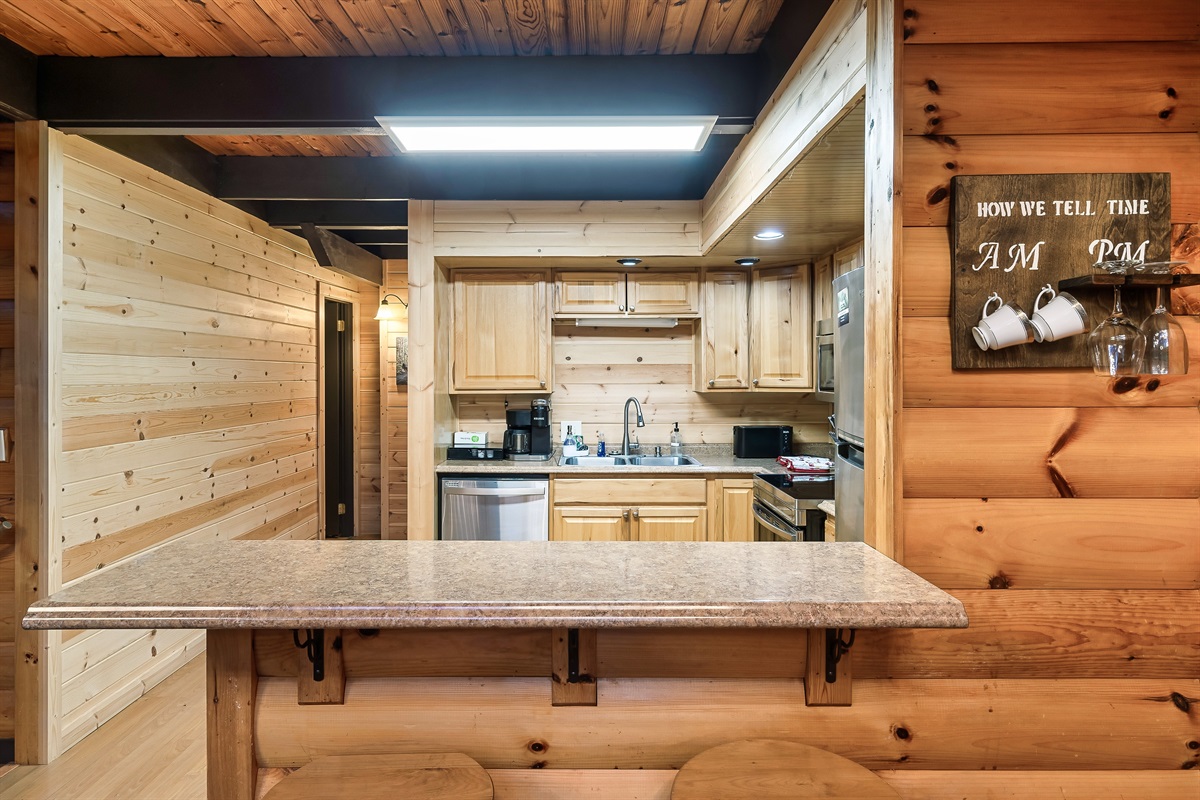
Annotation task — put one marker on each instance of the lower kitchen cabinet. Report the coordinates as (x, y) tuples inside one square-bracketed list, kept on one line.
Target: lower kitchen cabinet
[(629, 509), (731, 510)]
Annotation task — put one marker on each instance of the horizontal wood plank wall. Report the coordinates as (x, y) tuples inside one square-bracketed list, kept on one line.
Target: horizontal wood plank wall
[(596, 369), (189, 399), (587, 228), (1061, 507), (394, 418), (8, 468)]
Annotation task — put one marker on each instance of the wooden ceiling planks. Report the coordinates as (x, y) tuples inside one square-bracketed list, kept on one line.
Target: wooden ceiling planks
[(360, 146), (257, 28)]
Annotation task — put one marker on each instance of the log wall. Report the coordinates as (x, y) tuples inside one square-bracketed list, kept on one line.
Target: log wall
[(7, 469), (1061, 507), (188, 400)]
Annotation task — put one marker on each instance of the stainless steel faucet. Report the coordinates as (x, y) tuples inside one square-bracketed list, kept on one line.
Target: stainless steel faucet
[(626, 447)]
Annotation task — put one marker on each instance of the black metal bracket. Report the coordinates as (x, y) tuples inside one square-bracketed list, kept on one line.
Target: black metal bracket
[(314, 647), (835, 648), (572, 655)]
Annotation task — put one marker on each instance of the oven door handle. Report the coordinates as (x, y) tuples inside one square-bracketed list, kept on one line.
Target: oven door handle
[(773, 523)]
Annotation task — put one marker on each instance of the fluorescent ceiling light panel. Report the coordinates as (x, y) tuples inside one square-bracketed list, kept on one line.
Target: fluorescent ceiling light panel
[(547, 134)]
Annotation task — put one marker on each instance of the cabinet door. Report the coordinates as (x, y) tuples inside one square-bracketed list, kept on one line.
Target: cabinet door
[(501, 330), (590, 524), (731, 510), (666, 294), (670, 524), (850, 257), (823, 289), (579, 293), (724, 356), (781, 333)]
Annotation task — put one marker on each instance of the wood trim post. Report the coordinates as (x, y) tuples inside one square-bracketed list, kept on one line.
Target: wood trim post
[(883, 247), (818, 691), (37, 433), (573, 675), (423, 371), (232, 692)]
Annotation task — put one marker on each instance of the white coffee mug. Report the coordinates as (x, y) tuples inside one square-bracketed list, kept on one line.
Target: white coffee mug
[(1061, 317), (1004, 327)]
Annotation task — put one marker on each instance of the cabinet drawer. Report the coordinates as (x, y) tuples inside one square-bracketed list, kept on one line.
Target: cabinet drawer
[(629, 491)]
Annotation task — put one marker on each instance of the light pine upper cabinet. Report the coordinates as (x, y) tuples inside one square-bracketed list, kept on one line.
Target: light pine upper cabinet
[(823, 289), (781, 328), (501, 331), (599, 294), (723, 360)]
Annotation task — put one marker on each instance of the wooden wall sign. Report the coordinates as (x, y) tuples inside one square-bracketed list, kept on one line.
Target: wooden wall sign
[(1013, 234)]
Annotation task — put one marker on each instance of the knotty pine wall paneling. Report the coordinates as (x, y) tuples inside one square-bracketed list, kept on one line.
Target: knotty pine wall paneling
[(394, 413), (8, 468), (188, 399)]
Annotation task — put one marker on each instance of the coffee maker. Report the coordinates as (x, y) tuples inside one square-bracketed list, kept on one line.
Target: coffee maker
[(528, 434)]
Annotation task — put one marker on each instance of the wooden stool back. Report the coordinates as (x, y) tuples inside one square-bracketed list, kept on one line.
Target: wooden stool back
[(766, 769), (421, 776)]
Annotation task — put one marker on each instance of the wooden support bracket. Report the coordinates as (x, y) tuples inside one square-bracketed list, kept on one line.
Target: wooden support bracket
[(232, 694), (331, 688), (573, 667), (818, 690)]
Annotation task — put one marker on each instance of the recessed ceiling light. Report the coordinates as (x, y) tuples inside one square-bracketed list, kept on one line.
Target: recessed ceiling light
[(547, 134), (768, 234), (748, 261), (629, 262)]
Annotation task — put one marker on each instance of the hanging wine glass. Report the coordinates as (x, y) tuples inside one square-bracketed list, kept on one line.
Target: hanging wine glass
[(1116, 344), (1166, 343)]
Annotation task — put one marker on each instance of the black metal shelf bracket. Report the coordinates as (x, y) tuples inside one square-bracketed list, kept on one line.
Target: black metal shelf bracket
[(835, 648), (314, 647), (572, 655)]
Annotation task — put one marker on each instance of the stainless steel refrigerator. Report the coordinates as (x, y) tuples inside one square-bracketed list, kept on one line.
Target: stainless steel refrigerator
[(849, 401)]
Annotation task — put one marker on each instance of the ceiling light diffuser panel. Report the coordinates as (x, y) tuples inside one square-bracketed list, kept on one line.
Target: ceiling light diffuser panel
[(548, 134)]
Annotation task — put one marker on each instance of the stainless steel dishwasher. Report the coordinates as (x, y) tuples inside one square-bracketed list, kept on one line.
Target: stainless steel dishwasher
[(496, 508)]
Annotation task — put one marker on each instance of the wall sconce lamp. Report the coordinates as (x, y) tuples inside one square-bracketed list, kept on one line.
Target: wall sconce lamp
[(388, 312)]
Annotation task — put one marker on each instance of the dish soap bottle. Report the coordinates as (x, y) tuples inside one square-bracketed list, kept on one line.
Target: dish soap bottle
[(569, 447), (600, 448), (676, 441)]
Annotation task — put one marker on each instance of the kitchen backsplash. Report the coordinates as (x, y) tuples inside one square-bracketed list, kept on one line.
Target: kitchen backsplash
[(596, 369)]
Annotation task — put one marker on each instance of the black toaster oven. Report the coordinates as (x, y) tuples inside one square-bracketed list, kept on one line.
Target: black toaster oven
[(762, 441)]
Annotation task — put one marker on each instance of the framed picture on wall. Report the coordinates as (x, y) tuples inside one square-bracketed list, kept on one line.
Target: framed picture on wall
[(401, 360)]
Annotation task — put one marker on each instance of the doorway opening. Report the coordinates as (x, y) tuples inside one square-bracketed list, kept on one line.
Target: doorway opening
[(339, 419)]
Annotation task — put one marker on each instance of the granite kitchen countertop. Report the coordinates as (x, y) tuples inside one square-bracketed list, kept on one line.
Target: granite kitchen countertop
[(402, 584), (714, 460)]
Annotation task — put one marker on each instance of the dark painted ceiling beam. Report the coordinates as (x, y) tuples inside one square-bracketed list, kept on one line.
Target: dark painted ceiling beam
[(476, 176), (334, 252), (170, 155), (188, 95), (336, 214), (18, 81)]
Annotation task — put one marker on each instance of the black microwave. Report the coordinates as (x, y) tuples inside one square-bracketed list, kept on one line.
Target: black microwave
[(762, 441)]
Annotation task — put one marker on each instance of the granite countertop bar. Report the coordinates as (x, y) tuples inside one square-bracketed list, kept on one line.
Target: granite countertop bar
[(714, 460), (397, 584)]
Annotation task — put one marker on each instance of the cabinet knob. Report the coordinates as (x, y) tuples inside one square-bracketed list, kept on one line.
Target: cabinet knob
[(632, 309), (712, 383), (755, 381), (543, 383), (625, 515), (635, 513), (620, 308)]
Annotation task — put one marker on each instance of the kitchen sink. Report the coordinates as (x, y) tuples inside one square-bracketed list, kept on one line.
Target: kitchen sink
[(629, 461), (664, 461)]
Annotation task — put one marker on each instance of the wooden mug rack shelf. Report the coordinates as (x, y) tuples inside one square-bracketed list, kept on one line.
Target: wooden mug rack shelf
[(1139, 281)]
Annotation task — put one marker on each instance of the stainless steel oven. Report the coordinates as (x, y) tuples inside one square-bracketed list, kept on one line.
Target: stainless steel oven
[(824, 350), (785, 508)]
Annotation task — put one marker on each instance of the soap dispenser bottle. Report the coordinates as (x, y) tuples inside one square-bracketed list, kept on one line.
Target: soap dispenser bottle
[(676, 441)]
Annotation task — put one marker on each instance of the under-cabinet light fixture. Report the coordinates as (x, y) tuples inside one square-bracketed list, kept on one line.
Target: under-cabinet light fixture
[(629, 262), (547, 134), (748, 261), (627, 322), (769, 234), (391, 313)]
